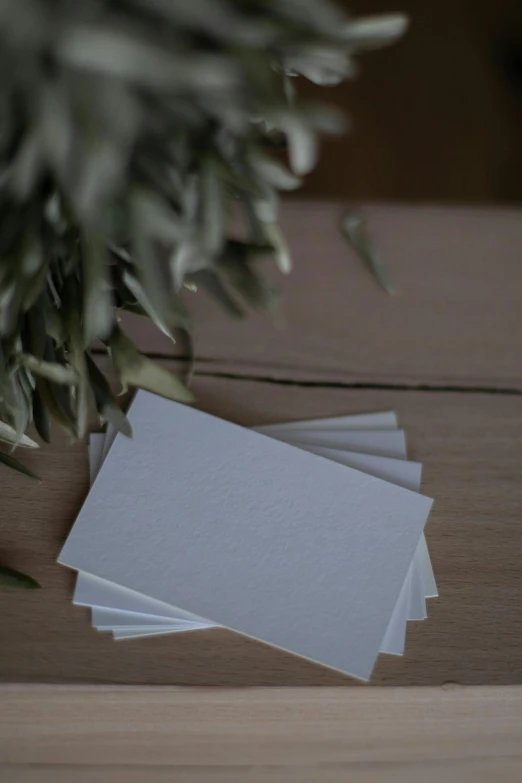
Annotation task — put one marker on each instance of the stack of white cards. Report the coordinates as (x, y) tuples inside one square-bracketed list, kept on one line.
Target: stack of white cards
[(308, 536)]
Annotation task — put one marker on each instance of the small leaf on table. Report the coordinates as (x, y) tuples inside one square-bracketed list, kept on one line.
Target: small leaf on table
[(14, 580), (11, 462), (353, 228)]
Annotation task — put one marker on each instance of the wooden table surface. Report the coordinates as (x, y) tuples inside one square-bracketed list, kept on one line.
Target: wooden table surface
[(445, 353), (108, 734)]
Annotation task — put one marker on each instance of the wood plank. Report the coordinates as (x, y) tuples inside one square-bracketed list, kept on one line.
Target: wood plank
[(470, 445), (268, 731), (455, 322), (260, 735), (502, 770)]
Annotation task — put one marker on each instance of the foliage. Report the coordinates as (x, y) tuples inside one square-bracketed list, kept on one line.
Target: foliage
[(130, 131)]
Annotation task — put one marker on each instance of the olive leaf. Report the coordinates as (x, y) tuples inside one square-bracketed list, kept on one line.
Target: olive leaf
[(275, 236), (57, 403), (76, 355), (375, 31), (41, 417), (14, 580), (302, 145), (248, 284), (353, 228), (134, 369), (209, 281), (212, 206), (97, 311), (8, 435), (59, 373), (106, 403), (146, 307), (274, 172), (11, 462)]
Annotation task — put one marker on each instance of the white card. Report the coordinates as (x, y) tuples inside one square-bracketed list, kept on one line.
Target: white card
[(138, 633), (394, 640), (417, 607), (310, 556), (428, 577), (387, 420), (384, 420), (102, 593), (383, 443), (398, 471), (109, 619), (404, 473)]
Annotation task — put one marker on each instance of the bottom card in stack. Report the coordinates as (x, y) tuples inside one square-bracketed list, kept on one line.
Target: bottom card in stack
[(387, 572)]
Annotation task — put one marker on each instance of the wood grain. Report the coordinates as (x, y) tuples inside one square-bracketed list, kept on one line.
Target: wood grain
[(455, 322), (278, 735), (470, 445)]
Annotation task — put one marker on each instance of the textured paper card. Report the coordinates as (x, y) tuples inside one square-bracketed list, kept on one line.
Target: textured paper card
[(417, 607), (385, 420), (394, 640), (398, 471), (364, 421), (92, 591), (108, 619), (428, 577), (102, 593), (404, 473), (310, 557), (138, 633), (383, 443)]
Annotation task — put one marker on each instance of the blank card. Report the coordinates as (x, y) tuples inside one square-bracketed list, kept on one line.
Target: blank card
[(404, 473), (401, 472)]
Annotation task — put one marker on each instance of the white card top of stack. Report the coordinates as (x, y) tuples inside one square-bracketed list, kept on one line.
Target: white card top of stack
[(407, 474)]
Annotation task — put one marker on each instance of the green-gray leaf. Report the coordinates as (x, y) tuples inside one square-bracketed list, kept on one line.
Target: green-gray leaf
[(353, 228), (98, 309), (14, 580), (59, 373), (57, 403), (137, 290), (376, 31), (11, 462), (134, 369), (106, 403), (41, 417), (8, 435), (210, 282), (212, 206), (274, 172)]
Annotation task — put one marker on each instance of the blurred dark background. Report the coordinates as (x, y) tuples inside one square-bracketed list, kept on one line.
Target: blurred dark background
[(438, 116)]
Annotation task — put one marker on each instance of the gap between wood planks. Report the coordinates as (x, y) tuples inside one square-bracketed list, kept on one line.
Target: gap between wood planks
[(361, 384), (239, 376)]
